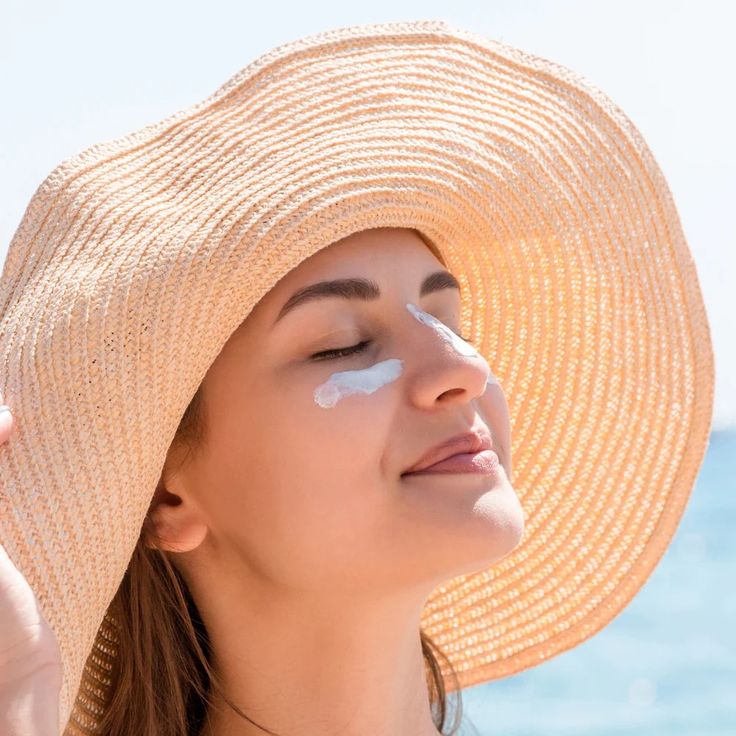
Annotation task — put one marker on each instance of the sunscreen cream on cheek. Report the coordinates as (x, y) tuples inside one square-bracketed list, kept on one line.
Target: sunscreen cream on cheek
[(364, 381)]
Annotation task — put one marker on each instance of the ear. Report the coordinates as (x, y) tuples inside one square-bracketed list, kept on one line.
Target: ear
[(175, 520)]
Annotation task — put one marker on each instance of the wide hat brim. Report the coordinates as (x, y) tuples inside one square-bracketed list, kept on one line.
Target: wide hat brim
[(137, 259)]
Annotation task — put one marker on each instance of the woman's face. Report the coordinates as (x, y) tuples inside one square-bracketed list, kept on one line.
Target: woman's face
[(300, 479)]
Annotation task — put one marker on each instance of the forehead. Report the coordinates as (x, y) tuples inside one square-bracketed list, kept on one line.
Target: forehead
[(381, 253)]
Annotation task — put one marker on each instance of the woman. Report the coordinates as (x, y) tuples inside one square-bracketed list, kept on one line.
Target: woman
[(248, 522), (317, 545)]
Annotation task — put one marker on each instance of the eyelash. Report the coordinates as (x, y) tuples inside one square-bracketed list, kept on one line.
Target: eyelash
[(357, 348)]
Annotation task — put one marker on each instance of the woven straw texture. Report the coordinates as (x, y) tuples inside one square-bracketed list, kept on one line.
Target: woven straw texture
[(137, 258)]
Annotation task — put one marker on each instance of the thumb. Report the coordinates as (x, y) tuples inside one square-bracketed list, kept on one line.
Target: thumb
[(6, 421)]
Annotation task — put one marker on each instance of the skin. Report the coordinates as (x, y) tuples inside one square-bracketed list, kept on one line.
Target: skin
[(6, 423), (309, 556)]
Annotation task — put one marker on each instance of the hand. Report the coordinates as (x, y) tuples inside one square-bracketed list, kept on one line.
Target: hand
[(30, 659)]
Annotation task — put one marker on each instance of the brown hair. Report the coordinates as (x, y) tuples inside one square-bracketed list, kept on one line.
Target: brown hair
[(164, 641)]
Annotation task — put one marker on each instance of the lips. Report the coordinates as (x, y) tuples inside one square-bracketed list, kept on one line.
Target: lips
[(466, 443)]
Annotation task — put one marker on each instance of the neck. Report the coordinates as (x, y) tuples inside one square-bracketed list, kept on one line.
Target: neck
[(316, 666)]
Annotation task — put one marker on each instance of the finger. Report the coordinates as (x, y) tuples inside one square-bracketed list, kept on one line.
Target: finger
[(495, 410), (6, 422)]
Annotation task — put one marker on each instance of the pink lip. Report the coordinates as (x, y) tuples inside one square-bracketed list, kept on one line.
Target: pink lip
[(484, 462), (469, 442)]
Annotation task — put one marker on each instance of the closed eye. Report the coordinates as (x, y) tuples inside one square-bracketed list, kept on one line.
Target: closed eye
[(357, 348), (340, 352)]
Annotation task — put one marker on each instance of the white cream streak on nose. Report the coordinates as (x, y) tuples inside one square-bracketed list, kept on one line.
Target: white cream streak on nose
[(448, 335), (444, 332), (363, 381)]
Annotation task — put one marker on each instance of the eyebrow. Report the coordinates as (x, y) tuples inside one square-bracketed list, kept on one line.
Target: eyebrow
[(360, 288)]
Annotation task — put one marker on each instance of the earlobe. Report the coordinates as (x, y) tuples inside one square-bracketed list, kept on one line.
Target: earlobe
[(176, 532), (173, 524)]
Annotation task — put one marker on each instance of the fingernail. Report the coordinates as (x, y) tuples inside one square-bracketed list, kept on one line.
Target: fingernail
[(3, 407)]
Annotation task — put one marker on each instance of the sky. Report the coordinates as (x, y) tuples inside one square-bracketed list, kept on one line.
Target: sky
[(76, 73)]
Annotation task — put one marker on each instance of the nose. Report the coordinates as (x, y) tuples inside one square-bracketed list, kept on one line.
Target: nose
[(450, 370)]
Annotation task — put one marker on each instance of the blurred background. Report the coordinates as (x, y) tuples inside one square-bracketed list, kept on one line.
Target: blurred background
[(76, 73)]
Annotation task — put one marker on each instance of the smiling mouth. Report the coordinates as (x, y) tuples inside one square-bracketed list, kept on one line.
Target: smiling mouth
[(483, 462)]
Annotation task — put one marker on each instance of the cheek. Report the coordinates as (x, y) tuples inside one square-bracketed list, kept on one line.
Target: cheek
[(326, 464), (340, 424), (494, 409), (288, 455), (304, 486)]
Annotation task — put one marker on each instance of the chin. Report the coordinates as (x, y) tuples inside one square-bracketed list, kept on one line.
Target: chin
[(500, 520)]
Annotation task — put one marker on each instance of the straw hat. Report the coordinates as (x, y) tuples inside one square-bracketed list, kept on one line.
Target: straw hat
[(137, 258)]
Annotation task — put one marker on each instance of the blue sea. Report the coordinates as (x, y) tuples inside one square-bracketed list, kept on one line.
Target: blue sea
[(666, 664)]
